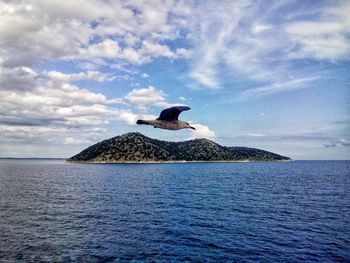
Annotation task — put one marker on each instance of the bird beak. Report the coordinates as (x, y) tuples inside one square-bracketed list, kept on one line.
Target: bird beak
[(193, 128)]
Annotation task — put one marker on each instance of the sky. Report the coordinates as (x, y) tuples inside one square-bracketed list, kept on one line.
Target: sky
[(266, 74)]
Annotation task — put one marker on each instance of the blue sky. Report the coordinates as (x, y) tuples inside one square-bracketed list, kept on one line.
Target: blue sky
[(266, 74)]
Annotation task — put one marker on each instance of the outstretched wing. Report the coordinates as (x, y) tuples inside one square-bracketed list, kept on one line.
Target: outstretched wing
[(172, 114)]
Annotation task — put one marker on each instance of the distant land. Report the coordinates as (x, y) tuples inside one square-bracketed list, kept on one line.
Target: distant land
[(137, 148), (32, 158)]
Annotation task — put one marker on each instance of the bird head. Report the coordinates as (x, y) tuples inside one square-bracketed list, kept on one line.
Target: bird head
[(189, 126)]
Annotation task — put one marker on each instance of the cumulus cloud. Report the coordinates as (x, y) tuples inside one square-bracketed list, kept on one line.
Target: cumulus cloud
[(64, 30), (54, 102), (42, 33), (47, 105), (40, 137), (18, 78), (53, 110), (145, 97), (63, 106), (105, 49), (41, 105), (148, 51), (54, 124), (201, 131)]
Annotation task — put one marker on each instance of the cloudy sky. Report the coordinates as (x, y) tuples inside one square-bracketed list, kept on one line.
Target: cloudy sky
[(265, 74)]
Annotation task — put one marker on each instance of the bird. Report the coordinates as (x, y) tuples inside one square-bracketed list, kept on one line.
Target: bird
[(168, 119)]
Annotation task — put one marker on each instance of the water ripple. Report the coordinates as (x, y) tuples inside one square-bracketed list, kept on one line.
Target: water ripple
[(241, 212)]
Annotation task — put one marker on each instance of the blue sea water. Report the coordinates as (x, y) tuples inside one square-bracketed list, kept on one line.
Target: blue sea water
[(213, 212)]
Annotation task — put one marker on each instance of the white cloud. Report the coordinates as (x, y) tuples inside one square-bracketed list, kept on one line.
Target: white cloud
[(344, 142), (201, 131), (237, 39), (105, 49), (54, 110), (320, 40), (338, 143), (127, 117), (93, 30), (260, 28), (29, 134), (145, 97), (324, 38), (156, 49), (18, 78), (71, 140), (277, 87), (131, 40), (256, 135), (55, 103), (183, 53), (88, 75), (42, 35), (133, 56), (205, 76), (59, 113), (150, 49), (110, 49), (43, 106), (212, 27)]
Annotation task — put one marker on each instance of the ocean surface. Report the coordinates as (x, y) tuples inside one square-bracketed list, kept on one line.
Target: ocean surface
[(212, 212)]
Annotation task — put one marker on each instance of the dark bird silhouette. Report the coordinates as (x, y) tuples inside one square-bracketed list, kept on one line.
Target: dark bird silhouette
[(168, 119)]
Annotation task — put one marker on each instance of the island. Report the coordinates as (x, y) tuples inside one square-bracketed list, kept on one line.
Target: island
[(137, 148)]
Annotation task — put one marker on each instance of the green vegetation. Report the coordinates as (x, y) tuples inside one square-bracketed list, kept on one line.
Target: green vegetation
[(135, 147)]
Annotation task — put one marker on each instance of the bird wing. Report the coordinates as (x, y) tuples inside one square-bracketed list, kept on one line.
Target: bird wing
[(172, 114)]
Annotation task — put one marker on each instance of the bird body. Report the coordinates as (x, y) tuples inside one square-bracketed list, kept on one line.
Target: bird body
[(168, 119), (168, 125)]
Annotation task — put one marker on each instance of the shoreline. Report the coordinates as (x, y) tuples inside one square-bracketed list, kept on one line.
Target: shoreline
[(167, 162)]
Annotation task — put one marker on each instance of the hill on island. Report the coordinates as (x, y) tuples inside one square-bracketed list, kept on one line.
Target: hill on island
[(135, 148)]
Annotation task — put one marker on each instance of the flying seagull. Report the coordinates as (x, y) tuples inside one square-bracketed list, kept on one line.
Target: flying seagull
[(168, 119)]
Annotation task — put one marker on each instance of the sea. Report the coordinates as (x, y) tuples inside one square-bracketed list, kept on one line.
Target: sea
[(52, 211)]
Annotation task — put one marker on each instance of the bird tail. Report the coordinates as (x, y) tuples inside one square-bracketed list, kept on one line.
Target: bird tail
[(142, 122)]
